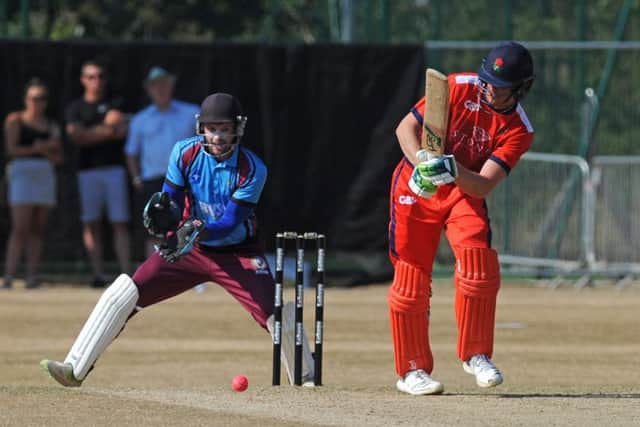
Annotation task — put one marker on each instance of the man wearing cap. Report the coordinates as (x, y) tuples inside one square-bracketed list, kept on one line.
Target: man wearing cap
[(153, 132), (488, 132), (206, 216)]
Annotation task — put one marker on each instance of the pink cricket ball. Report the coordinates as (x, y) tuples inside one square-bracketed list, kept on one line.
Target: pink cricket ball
[(240, 383)]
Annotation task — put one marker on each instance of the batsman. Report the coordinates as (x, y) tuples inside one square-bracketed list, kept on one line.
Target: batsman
[(475, 131)]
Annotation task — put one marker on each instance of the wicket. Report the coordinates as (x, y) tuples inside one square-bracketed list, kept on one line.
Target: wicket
[(300, 239)]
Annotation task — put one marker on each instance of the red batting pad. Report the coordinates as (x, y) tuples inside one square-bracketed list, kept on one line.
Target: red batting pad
[(409, 314), (477, 280)]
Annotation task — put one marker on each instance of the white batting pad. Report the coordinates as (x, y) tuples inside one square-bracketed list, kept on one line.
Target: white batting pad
[(103, 325)]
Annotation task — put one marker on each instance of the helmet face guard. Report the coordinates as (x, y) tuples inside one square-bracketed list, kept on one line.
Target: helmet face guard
[(239, 124), (221, 108)]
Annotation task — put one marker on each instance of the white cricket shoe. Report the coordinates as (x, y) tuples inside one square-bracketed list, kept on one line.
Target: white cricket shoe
[(61, 372), (418, 382), (486, 373)]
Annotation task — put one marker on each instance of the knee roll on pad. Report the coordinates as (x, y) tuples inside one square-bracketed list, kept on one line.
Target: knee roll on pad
[(409, 317), (104, 323), (477, 279)]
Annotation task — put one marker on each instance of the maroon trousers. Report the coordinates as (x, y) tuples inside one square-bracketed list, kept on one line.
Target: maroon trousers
[(242, 270)]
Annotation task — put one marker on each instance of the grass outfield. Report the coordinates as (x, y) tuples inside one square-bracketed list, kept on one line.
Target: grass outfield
[(570, 358)]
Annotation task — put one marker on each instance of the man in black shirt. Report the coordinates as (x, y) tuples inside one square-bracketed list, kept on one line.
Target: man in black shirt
[(98, 128)]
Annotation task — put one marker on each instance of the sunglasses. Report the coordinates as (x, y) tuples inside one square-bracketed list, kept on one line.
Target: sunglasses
[(41, 98), (94, 76)]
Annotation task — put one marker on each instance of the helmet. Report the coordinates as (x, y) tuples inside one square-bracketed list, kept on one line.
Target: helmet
[(221, 107), (508, 65)]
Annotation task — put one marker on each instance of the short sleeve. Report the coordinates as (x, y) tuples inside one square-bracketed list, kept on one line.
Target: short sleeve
[(250, 190), (174, 170), (517, 142), (134, 137)]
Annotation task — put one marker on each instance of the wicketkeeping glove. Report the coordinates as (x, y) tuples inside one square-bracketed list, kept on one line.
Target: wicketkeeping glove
[(179, 243), (161, 214)]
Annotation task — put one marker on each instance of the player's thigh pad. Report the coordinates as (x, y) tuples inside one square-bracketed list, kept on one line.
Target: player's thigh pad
[(408, 298), (104, 323), (477, 279)]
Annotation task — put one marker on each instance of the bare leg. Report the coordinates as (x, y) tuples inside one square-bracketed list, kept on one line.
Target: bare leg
[(34, 243), (122, 243), (92, 238), (20, 219)]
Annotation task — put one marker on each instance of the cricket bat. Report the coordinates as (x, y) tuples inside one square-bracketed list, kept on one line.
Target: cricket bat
[(436, 115)]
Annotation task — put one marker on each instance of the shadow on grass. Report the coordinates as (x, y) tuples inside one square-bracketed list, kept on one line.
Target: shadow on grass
[(571, 395)]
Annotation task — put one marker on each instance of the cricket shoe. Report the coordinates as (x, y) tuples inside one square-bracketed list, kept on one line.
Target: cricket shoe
[(486, 373), (61, 372), (418, 382)]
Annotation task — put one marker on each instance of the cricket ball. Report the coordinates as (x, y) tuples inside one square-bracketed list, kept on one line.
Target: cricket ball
[(240, 383)]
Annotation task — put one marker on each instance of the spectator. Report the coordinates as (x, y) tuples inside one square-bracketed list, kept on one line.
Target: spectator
[(34, 147), (98, 128), (152, 135)]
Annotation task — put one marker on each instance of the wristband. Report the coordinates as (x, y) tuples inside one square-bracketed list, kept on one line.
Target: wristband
[(137, 179)]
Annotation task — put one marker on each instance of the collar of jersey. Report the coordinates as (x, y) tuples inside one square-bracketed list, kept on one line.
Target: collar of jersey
[(171, 108)]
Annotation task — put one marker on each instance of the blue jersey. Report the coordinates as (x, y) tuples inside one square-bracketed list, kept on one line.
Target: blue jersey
[(210, 184)]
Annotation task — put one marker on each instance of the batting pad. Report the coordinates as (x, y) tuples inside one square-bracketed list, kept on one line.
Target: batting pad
[(104, 323), (409, 314), (477, 279), (289, 344)]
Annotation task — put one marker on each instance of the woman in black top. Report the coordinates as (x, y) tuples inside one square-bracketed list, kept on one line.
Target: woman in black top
[(33, 147)]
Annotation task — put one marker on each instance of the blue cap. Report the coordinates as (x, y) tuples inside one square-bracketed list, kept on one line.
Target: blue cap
[(157, 73), (507, 65)]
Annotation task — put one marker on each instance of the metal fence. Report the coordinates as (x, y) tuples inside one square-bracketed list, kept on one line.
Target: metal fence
[(555, 214), (616, 229)]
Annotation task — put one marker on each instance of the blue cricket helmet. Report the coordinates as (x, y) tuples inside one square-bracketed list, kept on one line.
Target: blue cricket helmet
[(509, 64)]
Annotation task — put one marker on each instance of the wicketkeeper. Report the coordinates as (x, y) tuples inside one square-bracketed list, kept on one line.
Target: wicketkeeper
[(206, 216), (488, 132)]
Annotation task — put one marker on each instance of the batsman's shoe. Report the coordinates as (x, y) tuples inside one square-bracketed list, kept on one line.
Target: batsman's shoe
[(61, 372), (486, 373), (418, 382)]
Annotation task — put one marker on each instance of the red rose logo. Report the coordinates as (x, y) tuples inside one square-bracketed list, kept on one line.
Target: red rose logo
[(498, 64)]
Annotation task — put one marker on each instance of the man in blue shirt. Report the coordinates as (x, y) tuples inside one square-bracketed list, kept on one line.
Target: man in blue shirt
[(206, 214), (153, 132)]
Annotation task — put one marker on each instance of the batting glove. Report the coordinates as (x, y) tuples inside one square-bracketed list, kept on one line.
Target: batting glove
[(439, 170)]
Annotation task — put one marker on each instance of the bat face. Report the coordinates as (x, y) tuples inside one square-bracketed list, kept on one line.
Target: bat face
[(436, 115)]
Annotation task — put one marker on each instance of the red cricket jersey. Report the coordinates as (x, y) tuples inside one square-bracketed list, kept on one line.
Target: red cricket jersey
[(476, 132)]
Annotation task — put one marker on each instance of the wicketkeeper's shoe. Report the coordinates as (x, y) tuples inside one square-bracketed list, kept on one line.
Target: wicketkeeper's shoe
[(486, 373), (61, 372), (418, 382)]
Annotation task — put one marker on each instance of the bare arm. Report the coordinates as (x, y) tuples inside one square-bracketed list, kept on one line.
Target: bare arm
[(407, 133), (12, 138), (134, 170), (473, 183), (52, 147), (93, 135), (110, 129), (480, 184)]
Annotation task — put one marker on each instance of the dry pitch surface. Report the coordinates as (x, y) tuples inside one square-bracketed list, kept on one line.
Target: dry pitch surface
[(569, 358)]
